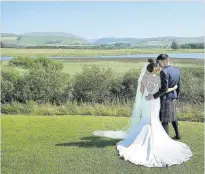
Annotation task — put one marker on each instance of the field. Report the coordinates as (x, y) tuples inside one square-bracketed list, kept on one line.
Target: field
[(121, 65), (89, 52), (65, 144), (73, 66)]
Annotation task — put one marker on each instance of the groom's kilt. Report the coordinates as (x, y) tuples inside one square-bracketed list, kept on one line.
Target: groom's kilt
[(168, 110)]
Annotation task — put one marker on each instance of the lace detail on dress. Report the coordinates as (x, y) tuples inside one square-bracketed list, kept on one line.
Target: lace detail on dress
[(151, 83)]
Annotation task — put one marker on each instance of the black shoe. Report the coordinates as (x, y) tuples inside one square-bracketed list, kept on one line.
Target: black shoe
[(177, 138), (121, 157)]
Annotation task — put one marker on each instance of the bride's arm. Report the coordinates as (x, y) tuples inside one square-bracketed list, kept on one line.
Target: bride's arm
[(172, 89)]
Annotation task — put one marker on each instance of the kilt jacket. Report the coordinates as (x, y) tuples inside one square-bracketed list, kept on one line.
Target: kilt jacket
[(169, 76)]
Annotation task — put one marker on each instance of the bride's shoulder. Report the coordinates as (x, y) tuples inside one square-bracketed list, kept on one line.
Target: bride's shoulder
[(146, 76)]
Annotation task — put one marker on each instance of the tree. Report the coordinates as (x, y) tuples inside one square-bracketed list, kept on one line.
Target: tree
[(185, 46), (174, 45)]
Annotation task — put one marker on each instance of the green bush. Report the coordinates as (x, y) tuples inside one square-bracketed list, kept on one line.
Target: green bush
[(46, 109), (98, 84), (30, 107), (25, 62), (9, 80), (93, 84), (129, 84), (192, 90), (35, 63), (11, 108), (47, 63), (43, 82), (44, 86)]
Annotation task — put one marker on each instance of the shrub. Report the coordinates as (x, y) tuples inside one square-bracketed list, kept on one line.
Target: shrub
[(44, 86), (38, 62), (93, 84), (192, 90), (11, 108), (9, 80), (30, 107), (25, 62)]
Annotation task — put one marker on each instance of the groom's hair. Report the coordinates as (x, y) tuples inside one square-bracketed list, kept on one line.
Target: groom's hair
[(162, 57)]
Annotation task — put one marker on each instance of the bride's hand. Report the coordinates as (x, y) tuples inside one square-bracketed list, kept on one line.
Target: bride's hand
[(175, 87)]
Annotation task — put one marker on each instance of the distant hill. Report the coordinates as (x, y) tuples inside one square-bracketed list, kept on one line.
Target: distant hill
[(67, 39), (46, 38), (111, 40), (162, 41), (92, 40), (9, 35)]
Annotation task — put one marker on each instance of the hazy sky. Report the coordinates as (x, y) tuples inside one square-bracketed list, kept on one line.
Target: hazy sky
[(105, 19)]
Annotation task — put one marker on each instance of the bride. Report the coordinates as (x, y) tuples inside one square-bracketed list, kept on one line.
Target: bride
[(145, 142)]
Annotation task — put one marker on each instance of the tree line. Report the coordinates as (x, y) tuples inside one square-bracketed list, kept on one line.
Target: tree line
[(174, 46)]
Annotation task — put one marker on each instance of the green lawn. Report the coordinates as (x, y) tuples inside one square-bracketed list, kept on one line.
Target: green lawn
[(65, 145), (89, 52)]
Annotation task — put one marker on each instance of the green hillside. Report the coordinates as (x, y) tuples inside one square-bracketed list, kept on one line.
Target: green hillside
[(46, 38), (65, 39), (162, 41), (8, 37)]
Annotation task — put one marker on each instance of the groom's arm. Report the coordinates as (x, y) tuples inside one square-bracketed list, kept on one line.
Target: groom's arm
[(164, 85)]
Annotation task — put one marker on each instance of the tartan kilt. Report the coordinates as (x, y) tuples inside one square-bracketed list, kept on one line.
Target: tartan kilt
[(168, 110)]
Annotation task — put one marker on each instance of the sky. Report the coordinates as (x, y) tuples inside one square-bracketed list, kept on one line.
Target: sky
[(94, 20)]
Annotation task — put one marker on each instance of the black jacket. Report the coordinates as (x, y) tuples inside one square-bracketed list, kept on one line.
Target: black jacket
[(170, 76)]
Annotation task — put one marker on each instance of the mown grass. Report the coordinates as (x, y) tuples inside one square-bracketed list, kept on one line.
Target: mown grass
[(65, 144), (89, 52)]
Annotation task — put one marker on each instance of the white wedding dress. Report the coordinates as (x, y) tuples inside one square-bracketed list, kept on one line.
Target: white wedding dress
[(146, 142)]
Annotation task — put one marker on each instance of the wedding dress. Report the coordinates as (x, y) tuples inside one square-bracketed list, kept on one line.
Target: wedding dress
[(145, 142)]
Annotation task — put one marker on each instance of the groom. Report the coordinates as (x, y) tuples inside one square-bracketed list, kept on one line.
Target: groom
[(170, 76)]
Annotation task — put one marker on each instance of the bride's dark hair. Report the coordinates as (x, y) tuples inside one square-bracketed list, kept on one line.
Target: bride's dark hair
[(150, 67)]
